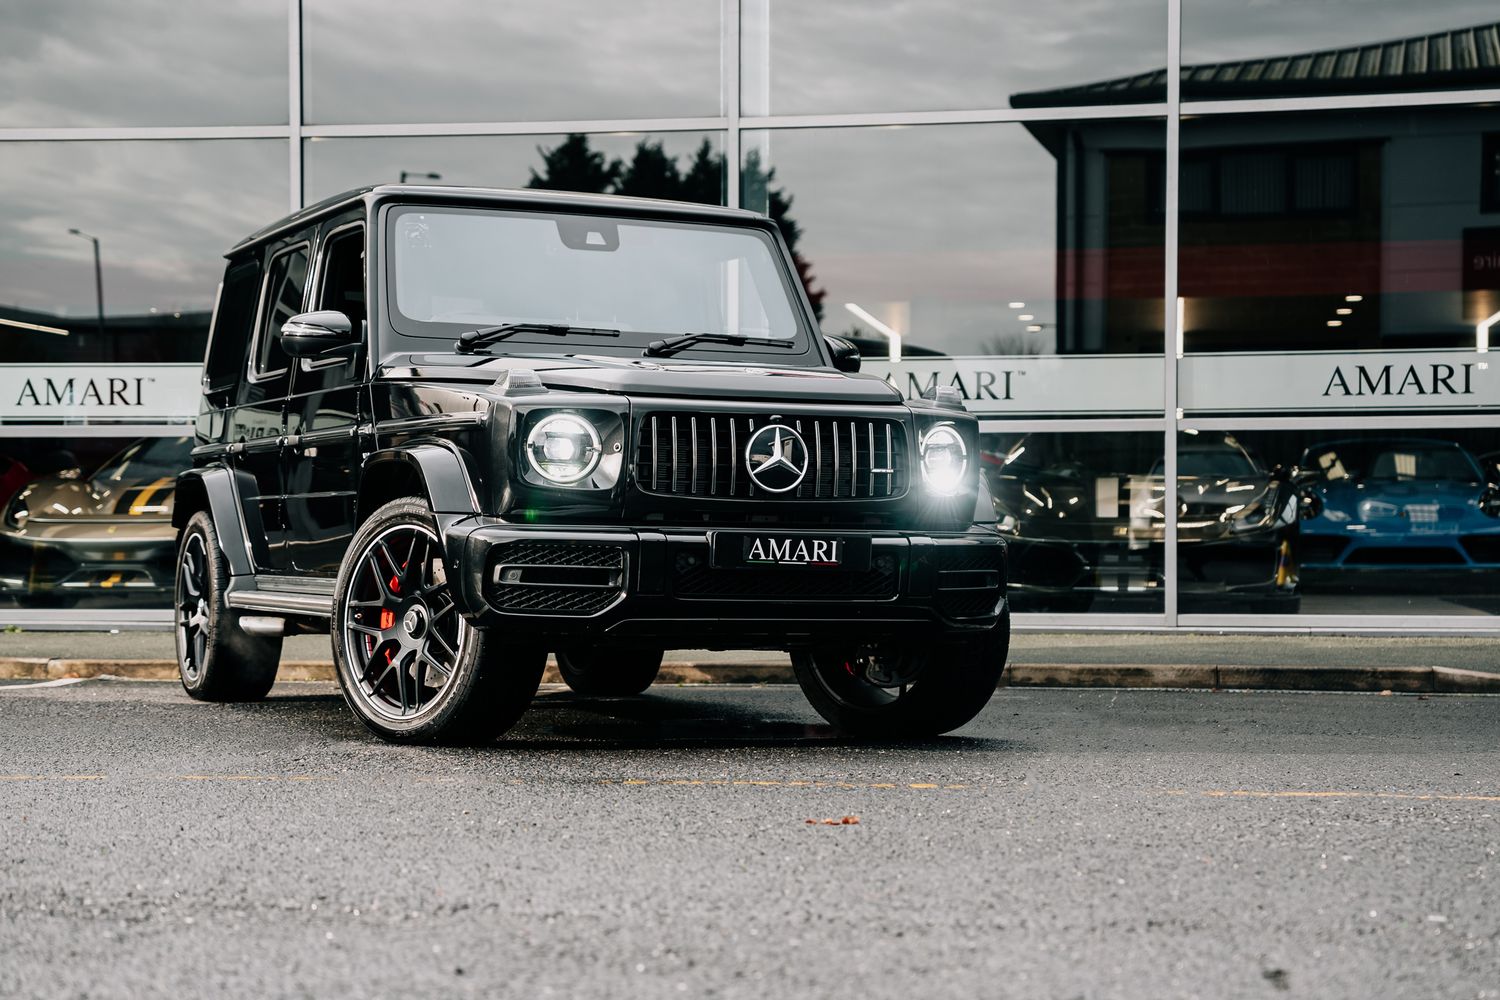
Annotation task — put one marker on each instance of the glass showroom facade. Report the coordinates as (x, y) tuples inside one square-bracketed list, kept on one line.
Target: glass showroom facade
[(1220, 278)]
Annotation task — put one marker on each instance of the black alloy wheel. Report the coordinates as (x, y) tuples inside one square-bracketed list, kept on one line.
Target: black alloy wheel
[(411, 667), (903, 690), (191, 602), (403, 631), (216, 659)]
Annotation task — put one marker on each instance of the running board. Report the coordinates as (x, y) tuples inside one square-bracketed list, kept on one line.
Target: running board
[(318, 605)]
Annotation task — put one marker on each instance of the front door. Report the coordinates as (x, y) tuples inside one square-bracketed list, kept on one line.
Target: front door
[(257, 424), (322, 454)]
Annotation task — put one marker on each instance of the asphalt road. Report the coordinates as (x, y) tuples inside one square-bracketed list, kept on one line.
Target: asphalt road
[(1474, 652), (1067, 844)]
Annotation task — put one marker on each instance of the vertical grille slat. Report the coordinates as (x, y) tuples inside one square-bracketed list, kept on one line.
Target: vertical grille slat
[(693, 482), (702, 455)]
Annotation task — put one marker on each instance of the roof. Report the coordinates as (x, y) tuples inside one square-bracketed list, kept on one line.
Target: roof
[(1463, 57), (610, 204)]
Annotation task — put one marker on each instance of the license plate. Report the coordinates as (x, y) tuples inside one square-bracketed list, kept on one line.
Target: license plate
[(751, 550)]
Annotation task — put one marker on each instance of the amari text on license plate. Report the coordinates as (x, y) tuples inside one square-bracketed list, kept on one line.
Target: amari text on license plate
[(751, 550)]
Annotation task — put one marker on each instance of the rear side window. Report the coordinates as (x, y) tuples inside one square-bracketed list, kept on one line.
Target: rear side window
[(286, 282), (233, 320)]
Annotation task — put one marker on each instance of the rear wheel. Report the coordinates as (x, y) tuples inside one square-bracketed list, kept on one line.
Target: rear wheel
[(903, 690), (410, 666), (215, 659), (601, 671)]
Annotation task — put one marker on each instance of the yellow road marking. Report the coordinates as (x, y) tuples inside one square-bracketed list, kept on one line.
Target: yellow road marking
[(51, 777), (1249, 793)]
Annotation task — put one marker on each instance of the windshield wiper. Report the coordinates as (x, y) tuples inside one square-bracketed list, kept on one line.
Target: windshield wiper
[(671, 345), (471, 340)]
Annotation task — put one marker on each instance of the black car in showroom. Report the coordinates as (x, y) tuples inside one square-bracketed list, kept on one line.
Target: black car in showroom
[(461, 428), (1079, 532)]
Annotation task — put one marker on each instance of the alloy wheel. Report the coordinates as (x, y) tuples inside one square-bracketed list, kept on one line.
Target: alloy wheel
[(402, 630), (191, 603)]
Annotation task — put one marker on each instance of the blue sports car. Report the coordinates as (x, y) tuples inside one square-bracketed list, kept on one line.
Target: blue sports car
[(1399, 504)]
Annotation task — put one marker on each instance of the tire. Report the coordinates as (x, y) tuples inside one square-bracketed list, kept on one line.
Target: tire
[(903, 691), (412, 669), (603, 672), (216, 661)]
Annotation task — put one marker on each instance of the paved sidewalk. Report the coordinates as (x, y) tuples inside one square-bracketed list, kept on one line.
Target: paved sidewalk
[(1092, 648), (1041, 659)]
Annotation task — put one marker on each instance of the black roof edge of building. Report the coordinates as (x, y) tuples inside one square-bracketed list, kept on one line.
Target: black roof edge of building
[(435, 193), (1443, 60)]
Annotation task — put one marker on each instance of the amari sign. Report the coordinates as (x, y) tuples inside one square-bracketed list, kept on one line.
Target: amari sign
[(1052, 384), (1131, 385), (79, 393), (1312, 381)]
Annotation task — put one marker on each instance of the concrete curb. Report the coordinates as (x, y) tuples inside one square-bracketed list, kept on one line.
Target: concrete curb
[(1442, 680)]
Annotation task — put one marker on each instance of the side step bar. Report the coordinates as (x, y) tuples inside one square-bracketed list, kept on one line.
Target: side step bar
[(318, 605)]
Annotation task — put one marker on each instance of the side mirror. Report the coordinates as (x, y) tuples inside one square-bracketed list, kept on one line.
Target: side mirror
[(845, 355), (308, 335)]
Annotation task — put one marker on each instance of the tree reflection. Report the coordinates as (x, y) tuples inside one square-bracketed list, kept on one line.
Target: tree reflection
[(652, 172)]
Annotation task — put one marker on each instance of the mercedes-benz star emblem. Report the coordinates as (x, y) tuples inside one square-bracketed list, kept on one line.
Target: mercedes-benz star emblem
[(776, 458)]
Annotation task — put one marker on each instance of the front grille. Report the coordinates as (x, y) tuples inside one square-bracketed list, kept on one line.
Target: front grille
[(1320, 548), (555, 578), (694, 579), (703, 455), (1483, 548), (1404, 555)]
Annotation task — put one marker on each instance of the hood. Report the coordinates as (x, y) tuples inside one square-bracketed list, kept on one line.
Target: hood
[(1347, 494), (55, 499), (656, 377)]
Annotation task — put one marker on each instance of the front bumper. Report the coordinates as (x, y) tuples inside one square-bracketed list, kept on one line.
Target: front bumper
[(85, 557), (659, 588)]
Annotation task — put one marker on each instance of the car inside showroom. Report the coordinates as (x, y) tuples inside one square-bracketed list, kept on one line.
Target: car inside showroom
[(1222, 288)]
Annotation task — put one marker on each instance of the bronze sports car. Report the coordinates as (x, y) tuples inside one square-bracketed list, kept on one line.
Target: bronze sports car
[(67, 536)]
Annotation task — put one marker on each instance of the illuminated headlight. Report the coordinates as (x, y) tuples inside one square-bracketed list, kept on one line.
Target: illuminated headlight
[(1335, 515), (1369, 509), (944, 460), (563, 448)]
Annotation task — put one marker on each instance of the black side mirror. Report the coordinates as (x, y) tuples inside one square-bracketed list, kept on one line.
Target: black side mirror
[(845, 355), (308, 335)]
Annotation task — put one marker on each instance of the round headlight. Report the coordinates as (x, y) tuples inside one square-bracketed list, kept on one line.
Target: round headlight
[(563, 448), (944, 460)]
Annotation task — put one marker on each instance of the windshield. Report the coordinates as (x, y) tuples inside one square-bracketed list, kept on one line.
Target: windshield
[(1398, 460), (456, 269), (1214, 463), (149, 458)]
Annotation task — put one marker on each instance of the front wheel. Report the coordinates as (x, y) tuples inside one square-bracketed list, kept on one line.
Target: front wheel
[(903, 690), (410, 666)]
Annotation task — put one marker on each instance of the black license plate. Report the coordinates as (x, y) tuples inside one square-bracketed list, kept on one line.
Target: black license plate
[(755, 550)]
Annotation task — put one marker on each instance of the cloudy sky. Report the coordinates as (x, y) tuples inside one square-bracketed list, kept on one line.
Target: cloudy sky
[(963, 215)]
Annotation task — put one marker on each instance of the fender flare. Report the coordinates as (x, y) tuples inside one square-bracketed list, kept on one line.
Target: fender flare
[(214, 484), (442, 470)]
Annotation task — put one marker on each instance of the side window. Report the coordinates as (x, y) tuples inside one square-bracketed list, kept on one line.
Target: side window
[(285, 284), (343, 285), (233, 320)]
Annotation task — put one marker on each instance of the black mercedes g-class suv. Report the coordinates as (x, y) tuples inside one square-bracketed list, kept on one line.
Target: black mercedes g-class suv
[(461, 428)]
